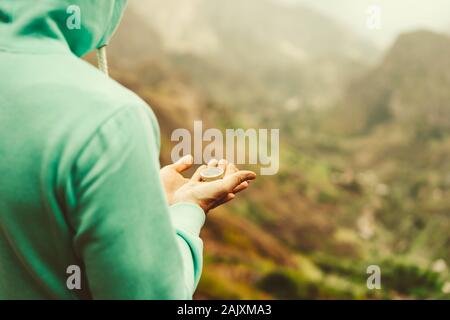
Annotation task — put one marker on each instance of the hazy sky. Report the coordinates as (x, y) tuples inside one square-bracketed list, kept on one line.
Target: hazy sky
[(396, 15)]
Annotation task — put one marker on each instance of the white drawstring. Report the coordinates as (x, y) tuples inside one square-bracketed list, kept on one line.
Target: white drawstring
[(101, 60)]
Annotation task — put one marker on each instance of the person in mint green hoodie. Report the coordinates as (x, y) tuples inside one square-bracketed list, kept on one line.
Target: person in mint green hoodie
[(81, 190)]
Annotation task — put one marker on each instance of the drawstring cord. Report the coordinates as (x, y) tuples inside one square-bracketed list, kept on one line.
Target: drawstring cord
[(101, 60)]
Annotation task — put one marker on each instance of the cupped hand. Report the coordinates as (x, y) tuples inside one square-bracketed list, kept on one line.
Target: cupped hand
[(209, 195), (171, 176)]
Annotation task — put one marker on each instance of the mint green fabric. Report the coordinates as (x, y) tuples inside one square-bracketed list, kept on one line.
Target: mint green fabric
[(79, 169)]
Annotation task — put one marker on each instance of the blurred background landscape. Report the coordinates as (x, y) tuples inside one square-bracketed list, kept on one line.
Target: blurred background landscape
[(364, 118)]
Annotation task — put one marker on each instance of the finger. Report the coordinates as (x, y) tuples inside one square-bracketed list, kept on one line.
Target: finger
[(183, 163), (232, 181), (196, 176), (241, 187), (227, 198), (223, 164), (231, 168), (212, 163)]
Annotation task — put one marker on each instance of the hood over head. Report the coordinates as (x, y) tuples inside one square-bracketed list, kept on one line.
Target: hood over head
[(82, 25)]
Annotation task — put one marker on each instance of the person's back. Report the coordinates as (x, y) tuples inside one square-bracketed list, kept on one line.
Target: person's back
[(85, 211), (67, 132)]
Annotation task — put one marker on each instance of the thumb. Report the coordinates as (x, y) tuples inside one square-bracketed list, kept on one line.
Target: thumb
[(183, 163)]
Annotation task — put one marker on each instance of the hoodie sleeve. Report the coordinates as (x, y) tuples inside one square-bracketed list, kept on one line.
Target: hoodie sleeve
[(132, 245)]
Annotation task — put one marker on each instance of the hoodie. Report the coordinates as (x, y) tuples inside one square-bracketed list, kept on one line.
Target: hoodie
[(83, 214)]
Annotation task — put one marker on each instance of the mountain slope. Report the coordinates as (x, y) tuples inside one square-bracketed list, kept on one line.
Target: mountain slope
[(396, 121), (277, 47), (409, 87)]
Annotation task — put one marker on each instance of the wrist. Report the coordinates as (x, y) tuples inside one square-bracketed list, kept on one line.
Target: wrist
[(184, 197), (187, 216)]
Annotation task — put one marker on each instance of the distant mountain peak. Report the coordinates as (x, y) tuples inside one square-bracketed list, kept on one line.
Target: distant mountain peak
[(419, 46), (410, 86)]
